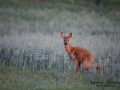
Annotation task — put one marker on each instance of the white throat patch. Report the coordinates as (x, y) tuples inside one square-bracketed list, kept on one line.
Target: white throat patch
[(72, 56)]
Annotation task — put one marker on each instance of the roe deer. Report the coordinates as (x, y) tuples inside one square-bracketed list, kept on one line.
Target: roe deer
[(80, 55)]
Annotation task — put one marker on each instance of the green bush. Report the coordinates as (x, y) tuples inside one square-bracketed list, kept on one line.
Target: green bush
[(111, 4)]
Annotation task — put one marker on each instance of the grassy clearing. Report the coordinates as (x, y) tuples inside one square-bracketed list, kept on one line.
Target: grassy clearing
[(14, 79), (32, 54)]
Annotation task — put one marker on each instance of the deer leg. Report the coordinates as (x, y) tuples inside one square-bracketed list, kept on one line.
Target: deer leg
[(77, 66), (95, 65), (99, 69)]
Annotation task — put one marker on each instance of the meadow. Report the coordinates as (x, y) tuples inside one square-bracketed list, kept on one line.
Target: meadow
[(32, 54)]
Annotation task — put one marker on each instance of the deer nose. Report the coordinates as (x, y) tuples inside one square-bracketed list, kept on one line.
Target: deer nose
[(65, 43)]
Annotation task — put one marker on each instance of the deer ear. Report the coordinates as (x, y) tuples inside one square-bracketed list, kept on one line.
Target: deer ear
[(70, 35), (62, 35)]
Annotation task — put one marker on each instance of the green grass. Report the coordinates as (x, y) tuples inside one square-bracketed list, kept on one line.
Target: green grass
[(15, 79)]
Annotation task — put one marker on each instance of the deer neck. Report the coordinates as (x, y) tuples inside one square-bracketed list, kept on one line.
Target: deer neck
[(68, 48)]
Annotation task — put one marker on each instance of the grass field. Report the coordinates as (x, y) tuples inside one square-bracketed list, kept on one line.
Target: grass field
[(32, 54)]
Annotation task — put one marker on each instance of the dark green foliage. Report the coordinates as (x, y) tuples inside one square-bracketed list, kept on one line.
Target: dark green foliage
[(107, 5), (111, 4)]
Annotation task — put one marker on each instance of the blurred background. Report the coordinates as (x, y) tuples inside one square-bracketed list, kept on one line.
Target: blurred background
[(32, 54)]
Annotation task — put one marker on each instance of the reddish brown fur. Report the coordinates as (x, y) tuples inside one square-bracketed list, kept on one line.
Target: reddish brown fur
[(80, 55)]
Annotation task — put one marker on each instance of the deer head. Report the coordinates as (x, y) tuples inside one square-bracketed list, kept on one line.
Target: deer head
[(66, 38)]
